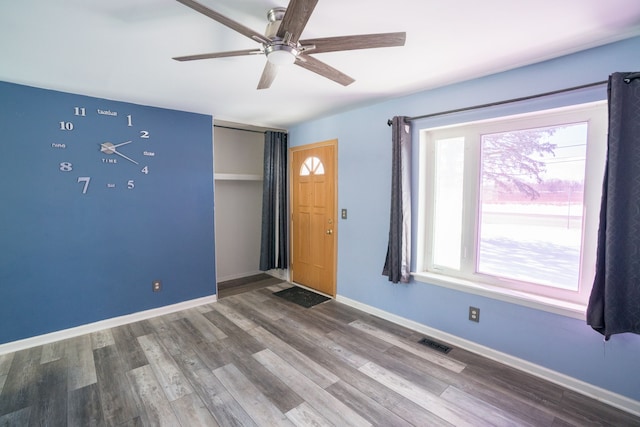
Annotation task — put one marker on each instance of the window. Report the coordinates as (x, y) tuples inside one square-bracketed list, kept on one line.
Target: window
[(513, 203), (312, 166)]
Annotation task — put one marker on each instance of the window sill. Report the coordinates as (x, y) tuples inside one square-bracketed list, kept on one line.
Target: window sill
[(563, 308)]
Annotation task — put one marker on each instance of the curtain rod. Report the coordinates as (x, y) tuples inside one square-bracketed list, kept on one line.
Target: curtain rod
[(508, 101), (245, 130)]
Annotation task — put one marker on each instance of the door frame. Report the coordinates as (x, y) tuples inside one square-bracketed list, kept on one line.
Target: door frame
[(334, 261)]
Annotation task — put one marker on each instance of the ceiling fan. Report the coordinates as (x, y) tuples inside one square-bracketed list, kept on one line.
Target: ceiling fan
[(282, 45)]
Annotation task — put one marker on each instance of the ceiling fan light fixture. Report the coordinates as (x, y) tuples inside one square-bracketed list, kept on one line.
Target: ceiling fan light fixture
[(281, 54)]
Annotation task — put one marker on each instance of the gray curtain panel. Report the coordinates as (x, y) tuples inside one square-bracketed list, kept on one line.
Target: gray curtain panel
[(273, 245), (614, 305), (397, 264)]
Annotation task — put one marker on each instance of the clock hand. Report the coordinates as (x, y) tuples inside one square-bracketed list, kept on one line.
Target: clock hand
[(122, 143), (109, 148), (123, 156)]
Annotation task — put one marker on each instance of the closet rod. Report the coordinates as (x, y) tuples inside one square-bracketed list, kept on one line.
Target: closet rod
[(508, 101), (246, 130), (232, 128)]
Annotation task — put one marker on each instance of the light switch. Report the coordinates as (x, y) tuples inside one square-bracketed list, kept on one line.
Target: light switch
[(343, 214)]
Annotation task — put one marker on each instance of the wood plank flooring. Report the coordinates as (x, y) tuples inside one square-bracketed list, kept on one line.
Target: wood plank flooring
[(253, 359), (245, 284)]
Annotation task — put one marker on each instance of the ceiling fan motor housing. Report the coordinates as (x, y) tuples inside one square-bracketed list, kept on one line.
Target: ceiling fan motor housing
[(274, 16), (279, 51)]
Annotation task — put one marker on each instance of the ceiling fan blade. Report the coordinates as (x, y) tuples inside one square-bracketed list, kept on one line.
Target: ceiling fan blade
[(363, 41), (219, 54), (312, 64), (225, 21), (268, 75), (295, 18)]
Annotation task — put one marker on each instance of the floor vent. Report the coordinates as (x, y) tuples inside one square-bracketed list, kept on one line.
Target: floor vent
[(435, 345)]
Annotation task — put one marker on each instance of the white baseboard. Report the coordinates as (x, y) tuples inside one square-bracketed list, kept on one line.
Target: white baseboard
[(282, 274), (616, 400), (102, 324), (238, 276)]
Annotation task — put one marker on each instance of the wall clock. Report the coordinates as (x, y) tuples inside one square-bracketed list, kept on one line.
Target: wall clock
[(98, 199), (103, 148)]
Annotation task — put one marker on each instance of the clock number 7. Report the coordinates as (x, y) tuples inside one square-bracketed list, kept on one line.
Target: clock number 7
[(85, 180)]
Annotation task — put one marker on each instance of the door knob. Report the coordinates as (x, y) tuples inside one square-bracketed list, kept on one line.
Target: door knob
[(329, 231)]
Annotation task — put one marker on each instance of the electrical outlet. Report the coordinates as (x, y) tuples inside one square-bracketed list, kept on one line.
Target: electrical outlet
[(156, 286), (474, 314), (343, 214)]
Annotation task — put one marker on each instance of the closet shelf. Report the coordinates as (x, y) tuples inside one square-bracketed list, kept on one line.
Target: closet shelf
[(237, 177)]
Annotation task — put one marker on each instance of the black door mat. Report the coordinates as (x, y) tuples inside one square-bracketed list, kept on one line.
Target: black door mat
[(301, 296)]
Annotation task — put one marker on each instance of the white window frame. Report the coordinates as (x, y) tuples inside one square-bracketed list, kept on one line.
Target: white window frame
[(572, 304)]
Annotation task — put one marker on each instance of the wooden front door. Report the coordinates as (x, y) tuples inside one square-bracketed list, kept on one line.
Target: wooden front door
[(313, 221)]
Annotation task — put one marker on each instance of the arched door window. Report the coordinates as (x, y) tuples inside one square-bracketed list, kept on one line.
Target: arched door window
[(312, 166)]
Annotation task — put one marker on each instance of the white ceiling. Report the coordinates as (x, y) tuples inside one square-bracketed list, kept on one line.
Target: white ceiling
[(122, 49)]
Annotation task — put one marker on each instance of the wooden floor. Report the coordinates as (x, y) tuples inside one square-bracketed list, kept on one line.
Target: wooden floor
[(255, 359), (245, 284)]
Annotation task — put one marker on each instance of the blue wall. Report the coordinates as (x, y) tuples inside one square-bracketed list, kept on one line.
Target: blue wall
[(69, 258), (559, 343)]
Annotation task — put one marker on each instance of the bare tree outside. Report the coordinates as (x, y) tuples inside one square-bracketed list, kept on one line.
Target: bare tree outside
[(512, 161), (531, 204)]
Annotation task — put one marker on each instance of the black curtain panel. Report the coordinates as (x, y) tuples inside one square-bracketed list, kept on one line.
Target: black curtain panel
[(273, 245), (397, 264), (614, 305)]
